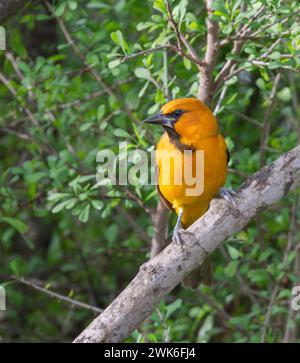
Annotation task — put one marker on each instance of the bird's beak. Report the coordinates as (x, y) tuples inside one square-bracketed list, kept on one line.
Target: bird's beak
[(160, 119)]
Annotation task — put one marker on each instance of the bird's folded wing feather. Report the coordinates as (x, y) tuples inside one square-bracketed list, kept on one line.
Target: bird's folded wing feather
[(162, 198)]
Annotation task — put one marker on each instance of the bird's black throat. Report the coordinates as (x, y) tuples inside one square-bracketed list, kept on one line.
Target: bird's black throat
[(175, 139)]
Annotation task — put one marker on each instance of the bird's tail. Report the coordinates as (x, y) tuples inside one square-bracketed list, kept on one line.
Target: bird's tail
[(202, 275)]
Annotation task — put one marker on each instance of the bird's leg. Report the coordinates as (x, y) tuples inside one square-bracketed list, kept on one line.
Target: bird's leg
[(178, 227), (228, 195)]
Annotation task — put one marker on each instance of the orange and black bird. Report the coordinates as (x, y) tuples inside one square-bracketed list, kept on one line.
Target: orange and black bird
[(190, 125)]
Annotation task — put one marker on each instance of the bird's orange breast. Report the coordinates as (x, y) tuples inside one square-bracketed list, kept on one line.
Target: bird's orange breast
[(213, 175)]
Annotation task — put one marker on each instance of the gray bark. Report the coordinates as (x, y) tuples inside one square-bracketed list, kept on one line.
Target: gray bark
[(162, 273), (10, 7)]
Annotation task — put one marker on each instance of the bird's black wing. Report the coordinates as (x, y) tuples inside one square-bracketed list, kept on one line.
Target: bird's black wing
[(162, 198), (228, 156)]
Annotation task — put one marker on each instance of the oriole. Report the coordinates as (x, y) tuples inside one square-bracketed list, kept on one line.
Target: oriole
[(190, 125)]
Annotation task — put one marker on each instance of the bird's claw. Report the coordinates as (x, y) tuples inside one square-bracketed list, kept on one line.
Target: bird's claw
[(177, 236), (228, 195)]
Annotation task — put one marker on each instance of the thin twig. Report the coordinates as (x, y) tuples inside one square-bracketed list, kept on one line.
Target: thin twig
[(246, 118), (284, 259), (134, 224), (82, 57), (60, 297), (182, 42), (221, 312), (28, 112), (268, 314), (143, 52), (258, 62), (236, 50), (243, 284), (134, 197), (281, 20), (32, 95), (222, 96)]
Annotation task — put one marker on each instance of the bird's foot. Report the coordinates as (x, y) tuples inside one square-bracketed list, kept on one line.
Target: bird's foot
[(228, 195), (179, 231), (178, 235)]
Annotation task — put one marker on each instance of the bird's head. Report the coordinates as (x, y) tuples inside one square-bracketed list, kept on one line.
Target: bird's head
[(186, 119)]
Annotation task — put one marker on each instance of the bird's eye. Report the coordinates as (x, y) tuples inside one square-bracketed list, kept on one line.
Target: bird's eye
[(177, 113)]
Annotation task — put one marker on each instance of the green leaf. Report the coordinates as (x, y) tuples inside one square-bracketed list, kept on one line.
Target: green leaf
[(59, 207), (86, 126), (231, 268), (35, 177), (14, 267), (203, 334), (121, 133), (100, 112), (285, 94), (97, 204), (143, 89), (114, 63), (122, 42), (16, 43), (182, 7), (187, 63), (159, 97), (233, 252), (118, 38), (159, 5), (72, 5), (173, 307), (114, 37), (85, 178), (60, 10), (83, 196), (97, 5), (142, 73), (242, 235), (275, 55), (57, 196), (265, 255), (220, 8), (261, 83), (84, 214), (16, 224), (258, 276), (71, 203)]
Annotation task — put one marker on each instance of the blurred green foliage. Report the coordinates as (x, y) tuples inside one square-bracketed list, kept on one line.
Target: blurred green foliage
[(71, 92)]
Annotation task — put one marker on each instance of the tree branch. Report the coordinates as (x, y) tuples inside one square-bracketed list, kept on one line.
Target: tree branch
[(160, 224), (161, 274), (212, 45)]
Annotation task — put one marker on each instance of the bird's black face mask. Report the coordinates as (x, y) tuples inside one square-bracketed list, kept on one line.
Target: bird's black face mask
[(168, 121)]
